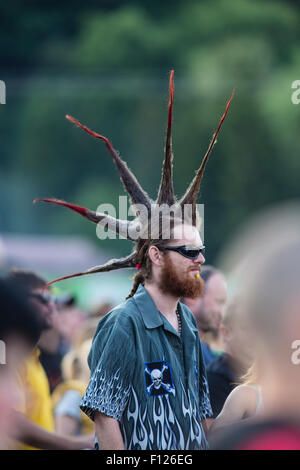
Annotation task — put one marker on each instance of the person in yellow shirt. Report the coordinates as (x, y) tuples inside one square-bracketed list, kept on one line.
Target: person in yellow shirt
[(36, 401), (35, 413), (19, 332)]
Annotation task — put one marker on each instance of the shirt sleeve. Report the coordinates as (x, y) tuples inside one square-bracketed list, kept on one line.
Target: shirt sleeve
[(112, 362), (204, 398), (69, 405)]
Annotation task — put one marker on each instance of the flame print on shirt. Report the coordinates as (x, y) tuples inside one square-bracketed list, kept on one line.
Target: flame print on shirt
[(154, 425), (107, 395), (157, 422)]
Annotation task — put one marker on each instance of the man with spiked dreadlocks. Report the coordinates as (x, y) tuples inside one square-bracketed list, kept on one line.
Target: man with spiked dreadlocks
[(148, 387)]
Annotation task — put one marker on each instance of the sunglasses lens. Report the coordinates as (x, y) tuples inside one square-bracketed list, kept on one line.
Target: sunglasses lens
[(43, 298), (193, 253)]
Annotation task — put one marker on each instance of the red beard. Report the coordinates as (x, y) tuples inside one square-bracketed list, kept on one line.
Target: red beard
[(179, 284)]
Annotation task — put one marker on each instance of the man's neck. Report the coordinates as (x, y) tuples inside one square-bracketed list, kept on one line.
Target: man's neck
[(202, 333), (49, 341), (164, 302), (215, 342)]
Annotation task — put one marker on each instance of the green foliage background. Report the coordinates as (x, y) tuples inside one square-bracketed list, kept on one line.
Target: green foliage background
[(107, 63)]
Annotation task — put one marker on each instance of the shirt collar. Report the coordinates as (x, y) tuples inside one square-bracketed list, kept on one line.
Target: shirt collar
[(150, 314)]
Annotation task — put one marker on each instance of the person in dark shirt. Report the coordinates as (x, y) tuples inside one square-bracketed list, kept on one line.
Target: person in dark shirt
[(208, 311), (225, 372)]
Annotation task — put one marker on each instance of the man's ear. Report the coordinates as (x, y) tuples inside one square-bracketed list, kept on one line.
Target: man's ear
[(155, 255)]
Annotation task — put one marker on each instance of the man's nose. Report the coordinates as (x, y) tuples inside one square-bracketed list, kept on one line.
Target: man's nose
[(200, 259), (52, 306)]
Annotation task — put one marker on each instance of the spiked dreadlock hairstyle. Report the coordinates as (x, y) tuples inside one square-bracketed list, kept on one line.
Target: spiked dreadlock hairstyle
[(138, 258)]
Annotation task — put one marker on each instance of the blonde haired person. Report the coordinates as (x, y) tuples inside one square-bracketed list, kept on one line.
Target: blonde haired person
[(226, 370), (66, 397), (244, 402)]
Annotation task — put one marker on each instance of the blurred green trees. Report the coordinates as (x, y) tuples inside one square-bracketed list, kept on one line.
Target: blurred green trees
[(107, 64)]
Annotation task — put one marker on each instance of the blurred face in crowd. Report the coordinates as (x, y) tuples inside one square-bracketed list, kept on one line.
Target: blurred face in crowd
[(237, 340), (212, 305), (209, 309), (269, 285), (178, 274), (69, 321), (42, 301)]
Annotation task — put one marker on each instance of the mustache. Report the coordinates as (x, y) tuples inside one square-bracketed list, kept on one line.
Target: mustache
[(196, 267)]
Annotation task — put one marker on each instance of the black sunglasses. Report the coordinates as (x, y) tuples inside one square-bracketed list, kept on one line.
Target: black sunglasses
[(191, 253), (43, 298)]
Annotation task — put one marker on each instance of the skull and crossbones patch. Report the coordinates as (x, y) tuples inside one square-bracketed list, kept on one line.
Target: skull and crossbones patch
[(158, 378)]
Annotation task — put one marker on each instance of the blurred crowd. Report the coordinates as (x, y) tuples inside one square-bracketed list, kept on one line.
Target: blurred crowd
[(44, 369), (249, 342)]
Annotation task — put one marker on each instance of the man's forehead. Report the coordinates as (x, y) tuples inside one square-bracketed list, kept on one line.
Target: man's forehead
[(41, 290), (187, 235), (217, 281)]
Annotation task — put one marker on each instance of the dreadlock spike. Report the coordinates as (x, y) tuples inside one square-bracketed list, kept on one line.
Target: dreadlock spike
[(132, 186), (127, 262), (166, 191), (190, 197), (117, 225), (138, 230)]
